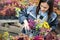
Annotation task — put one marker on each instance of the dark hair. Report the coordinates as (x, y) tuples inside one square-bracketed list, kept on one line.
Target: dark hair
[(49, 2)]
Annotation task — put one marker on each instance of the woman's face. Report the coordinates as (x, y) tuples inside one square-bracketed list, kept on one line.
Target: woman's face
[(44, 6)]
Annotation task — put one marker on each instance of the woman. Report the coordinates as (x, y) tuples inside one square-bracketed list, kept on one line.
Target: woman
[(44, 12)]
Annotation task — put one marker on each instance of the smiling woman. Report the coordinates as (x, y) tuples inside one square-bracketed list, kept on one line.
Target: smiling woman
[(44, 7), (43, 12)]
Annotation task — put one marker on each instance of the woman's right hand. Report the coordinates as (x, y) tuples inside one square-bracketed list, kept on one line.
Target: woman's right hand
[(26, 25)]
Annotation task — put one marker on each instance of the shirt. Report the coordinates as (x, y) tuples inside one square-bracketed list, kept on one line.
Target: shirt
[(42, 16)]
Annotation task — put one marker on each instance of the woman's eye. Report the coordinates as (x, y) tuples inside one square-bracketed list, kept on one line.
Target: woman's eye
[(45, 7)]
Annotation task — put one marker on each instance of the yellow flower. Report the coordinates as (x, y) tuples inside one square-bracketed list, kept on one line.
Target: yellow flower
[(6, 34), (46, 25)]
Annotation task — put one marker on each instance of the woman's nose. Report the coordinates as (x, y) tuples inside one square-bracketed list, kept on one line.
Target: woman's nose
[(42, 9)]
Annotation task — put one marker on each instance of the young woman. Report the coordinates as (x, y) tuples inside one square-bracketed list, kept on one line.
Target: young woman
[(44, 12)]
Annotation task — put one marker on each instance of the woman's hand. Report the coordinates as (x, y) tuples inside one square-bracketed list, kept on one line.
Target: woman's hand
[(26, 25), (37, 21)]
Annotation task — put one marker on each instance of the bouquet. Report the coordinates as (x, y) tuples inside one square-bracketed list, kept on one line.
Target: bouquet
[(38, 27)]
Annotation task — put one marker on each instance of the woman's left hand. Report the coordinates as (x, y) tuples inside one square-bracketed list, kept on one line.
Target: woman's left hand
[(37, 21)]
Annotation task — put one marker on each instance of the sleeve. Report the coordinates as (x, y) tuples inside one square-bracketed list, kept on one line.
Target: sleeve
[(24, 13), (54, 23), (23, 16)]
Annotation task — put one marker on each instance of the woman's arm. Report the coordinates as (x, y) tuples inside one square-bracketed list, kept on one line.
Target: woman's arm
[(23, 16), (54, 22), (23, 19)]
